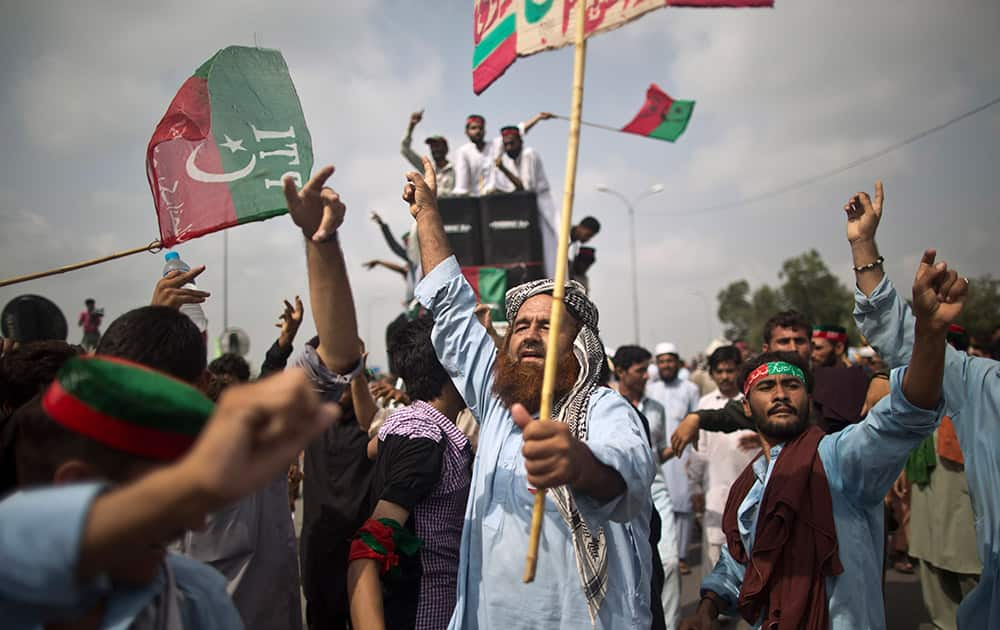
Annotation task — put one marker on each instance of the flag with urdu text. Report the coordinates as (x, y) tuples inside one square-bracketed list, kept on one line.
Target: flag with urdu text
[(503, 30), (232, 132), (490, 286), (661, 117)]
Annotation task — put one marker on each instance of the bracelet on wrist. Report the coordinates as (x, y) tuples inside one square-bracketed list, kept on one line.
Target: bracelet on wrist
[(877, 263)]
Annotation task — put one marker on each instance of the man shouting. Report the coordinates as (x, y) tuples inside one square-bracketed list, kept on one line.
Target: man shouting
[(594, 558), (804, 523)]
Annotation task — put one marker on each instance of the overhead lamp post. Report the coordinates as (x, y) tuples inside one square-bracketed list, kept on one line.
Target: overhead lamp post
[(630, 205)]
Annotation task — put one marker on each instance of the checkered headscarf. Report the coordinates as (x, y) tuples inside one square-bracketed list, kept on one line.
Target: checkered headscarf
[(590, 547)]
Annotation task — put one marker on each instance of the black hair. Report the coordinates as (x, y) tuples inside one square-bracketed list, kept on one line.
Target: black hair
[(89, 301), (412, 358), (29, 368), (158, 337), (786, 319), (767, 357), (43, 445), (591, 224), (231, 364), (723, 354), (627, 356)]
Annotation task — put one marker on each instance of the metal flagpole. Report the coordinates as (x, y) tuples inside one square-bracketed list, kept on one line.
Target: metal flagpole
[(562, 253)]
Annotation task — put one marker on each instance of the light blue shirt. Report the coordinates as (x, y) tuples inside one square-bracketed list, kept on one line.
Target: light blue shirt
[(861, 463), (491, 593), (41, 533), (971, 391), (678, 398)]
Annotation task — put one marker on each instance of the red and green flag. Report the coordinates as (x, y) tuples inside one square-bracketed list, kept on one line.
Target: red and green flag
[(490, 287), (661, 117), (232, 132), (503, 30)]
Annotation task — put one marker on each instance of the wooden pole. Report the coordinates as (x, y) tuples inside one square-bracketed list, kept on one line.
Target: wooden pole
[(152, 247), (562, 255)]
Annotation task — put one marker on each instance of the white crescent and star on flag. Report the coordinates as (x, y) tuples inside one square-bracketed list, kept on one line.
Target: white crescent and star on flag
[(199, 175)]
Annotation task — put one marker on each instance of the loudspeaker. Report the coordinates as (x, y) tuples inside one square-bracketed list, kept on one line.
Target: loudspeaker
[(511, 233), (462, 221)]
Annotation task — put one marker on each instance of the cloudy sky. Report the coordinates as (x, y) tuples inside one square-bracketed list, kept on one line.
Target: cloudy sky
[(781, 94)]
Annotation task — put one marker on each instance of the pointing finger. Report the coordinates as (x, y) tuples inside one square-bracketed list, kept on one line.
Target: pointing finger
[(879, 194), (430, 177), (291, 192), (319, 179)]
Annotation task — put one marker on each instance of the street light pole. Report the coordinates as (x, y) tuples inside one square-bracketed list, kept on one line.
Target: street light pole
[(630, 206)]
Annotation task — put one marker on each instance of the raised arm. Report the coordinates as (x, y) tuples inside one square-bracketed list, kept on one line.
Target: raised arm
[(277, 355), (421, 193), (534, 120), (405, 147), (255, 431), (864, 459), (319, 212)]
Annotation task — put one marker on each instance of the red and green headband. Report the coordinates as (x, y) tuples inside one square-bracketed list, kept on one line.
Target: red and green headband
[(833, 333), (771, 369), (475, 118), (127, 407)]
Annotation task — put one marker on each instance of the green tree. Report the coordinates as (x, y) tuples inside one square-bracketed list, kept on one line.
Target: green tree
[(811, 289), (981, 313), (807, 286)]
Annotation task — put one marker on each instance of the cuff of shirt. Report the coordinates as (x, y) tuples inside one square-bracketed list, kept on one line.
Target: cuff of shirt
[(916, 417), (329, 385), (883, 294), (430, 288), (40, 543)]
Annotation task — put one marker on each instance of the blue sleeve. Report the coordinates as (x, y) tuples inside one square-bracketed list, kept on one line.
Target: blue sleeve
[(40, 536), (617, 439), (462, 345), (887, 322), (204, 600), (864, 459), (725, 581)]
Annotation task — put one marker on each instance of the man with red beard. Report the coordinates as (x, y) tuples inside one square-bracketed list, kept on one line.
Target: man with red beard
[(594, 565)]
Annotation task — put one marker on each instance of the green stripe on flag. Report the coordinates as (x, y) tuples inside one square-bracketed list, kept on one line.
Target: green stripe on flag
[(675, 122), (492, 289), (496, 37)]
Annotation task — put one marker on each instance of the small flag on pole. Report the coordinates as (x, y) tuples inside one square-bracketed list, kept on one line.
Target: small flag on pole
[(490, 286), (661, 117), (230, 135)]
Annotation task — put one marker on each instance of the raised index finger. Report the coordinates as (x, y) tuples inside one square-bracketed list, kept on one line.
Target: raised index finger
[(879, 194), (316, 183), (430, 176)]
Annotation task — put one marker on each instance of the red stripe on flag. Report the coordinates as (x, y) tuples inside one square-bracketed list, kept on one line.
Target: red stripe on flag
[(76, 416), (472, 277), (493, 67), (652, 113)]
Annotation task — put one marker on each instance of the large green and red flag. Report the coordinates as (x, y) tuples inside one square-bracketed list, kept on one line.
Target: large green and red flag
[(230, 135), (661, 117), (504, 30), (490, 286)]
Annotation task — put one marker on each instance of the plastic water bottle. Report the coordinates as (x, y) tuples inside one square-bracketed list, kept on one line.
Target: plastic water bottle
[(193, 311)]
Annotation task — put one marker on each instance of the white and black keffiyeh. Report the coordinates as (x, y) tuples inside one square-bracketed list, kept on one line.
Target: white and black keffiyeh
[(590, 547)]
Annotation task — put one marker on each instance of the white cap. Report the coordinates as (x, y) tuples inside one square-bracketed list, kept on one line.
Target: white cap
[(665, 347), (715, 345), (867, 352)]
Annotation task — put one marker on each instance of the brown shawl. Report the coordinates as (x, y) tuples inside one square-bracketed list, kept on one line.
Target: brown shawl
[(795, 547)]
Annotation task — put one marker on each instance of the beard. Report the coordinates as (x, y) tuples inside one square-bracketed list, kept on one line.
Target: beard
[(517, 382), (781, 431)]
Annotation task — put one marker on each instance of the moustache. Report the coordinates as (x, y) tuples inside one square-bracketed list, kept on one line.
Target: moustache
[(781, 408)]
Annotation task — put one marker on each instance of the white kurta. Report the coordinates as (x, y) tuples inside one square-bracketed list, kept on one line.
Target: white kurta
[(678, 398)]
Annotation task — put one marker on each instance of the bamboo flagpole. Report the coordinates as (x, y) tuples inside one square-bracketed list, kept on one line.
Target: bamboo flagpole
[(152, 248), (558, 291)]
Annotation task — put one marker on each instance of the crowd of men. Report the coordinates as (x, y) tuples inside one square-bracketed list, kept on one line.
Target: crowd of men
[(146, 488)]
